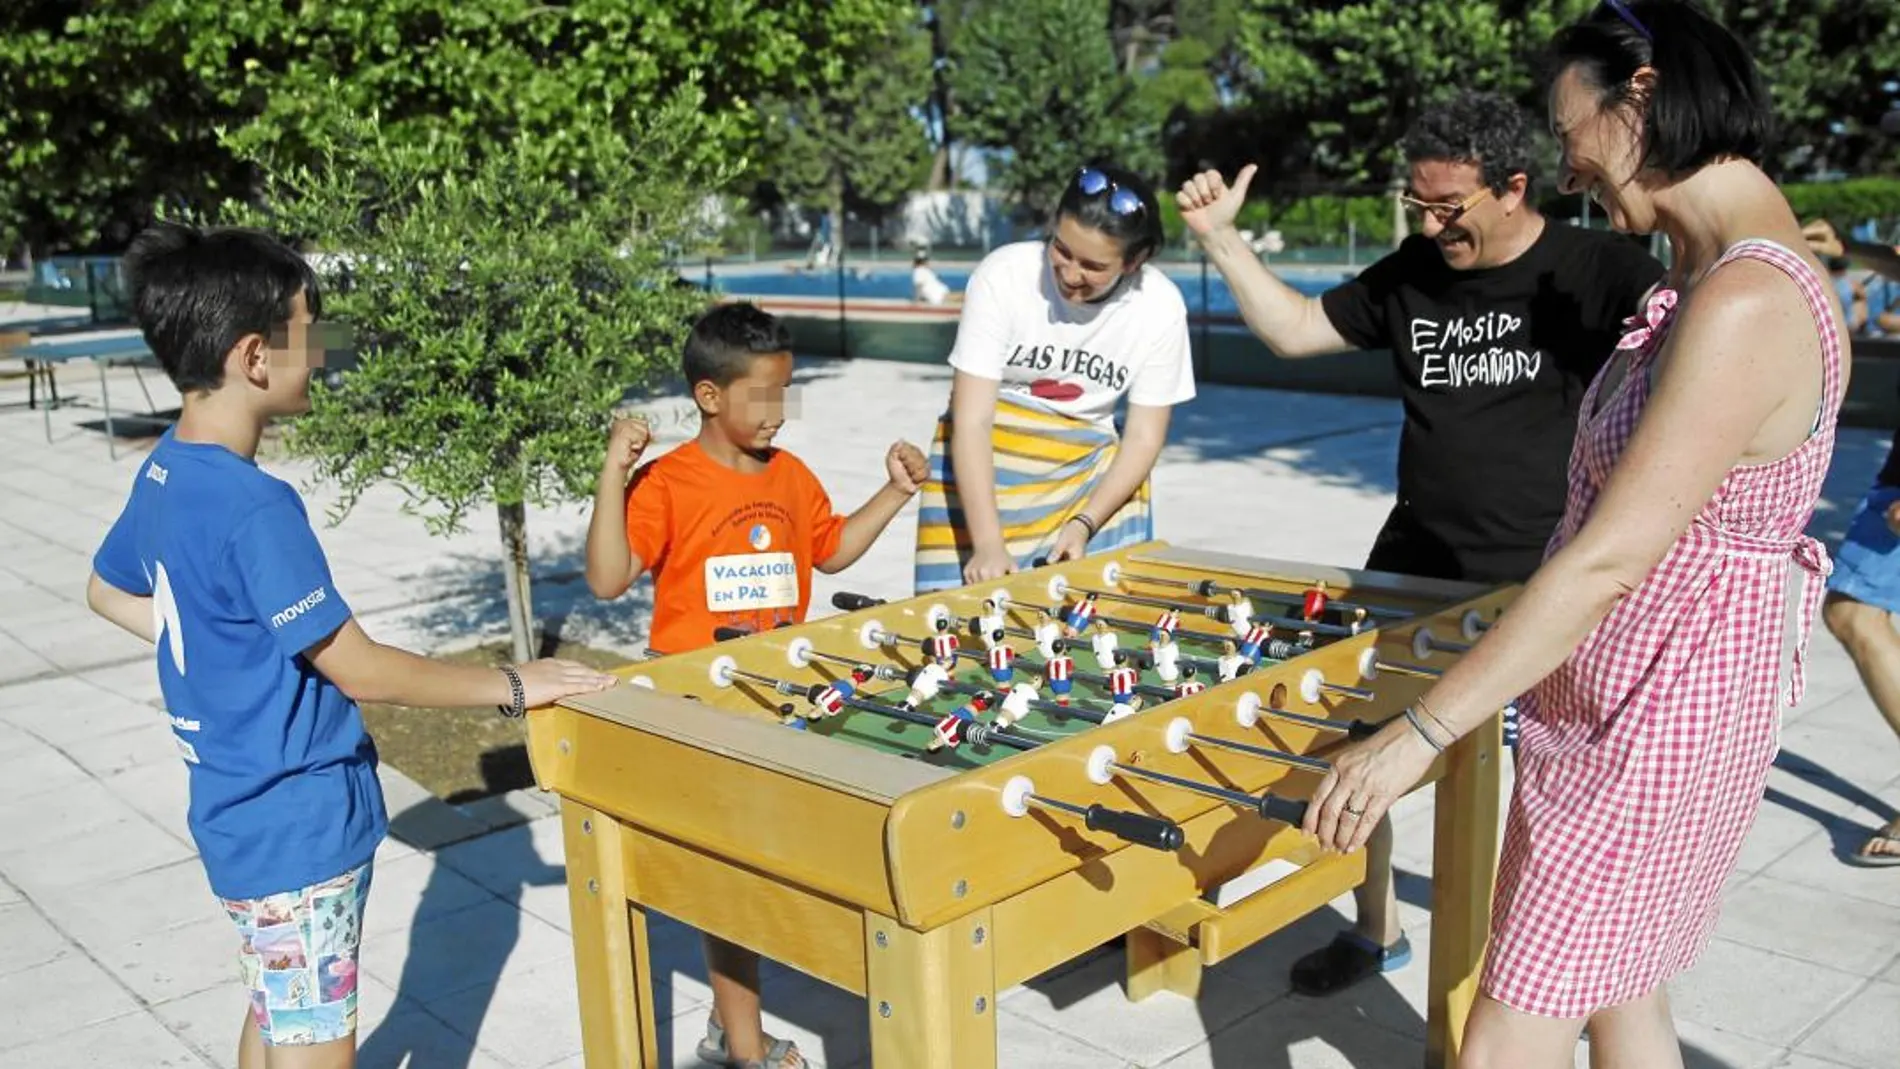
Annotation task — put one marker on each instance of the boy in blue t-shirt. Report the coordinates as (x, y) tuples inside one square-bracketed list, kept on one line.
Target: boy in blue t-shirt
[(259, 659)]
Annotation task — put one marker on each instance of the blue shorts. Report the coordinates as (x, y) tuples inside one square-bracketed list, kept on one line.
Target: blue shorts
[(1867, 564)]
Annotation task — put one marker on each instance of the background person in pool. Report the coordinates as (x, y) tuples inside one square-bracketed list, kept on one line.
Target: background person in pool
[(1054, 335)]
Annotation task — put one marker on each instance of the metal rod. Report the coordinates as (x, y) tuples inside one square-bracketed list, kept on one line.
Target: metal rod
[(1318, 722), (1285, 623), (1239, 798), (1263, 753), (1057, 805), (1417, 671), (1211, 586), (1356, 693)]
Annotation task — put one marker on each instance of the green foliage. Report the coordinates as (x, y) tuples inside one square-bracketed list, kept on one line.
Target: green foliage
[(1846, 204), (1039, 79), (499, 315), (1343, 81), (856, 142), (117, 106)]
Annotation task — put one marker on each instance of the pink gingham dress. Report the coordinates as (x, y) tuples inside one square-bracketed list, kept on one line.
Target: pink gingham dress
[(1641, 761)]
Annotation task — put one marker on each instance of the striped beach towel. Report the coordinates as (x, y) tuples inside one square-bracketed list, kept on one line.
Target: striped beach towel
[(1046, 467)]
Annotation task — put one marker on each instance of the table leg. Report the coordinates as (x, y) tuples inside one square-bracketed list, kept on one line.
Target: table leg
[(611, 962), (1464, 871), (931, 995)]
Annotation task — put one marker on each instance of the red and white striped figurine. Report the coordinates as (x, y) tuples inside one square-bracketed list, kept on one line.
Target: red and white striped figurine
[(1002, 663), (1315, 602), (1188, 686), (1061, 669), (829, 700), (1257, 637), (1122, 680), (1081, 613), (949, 730), (1166, 624), (941, 649)]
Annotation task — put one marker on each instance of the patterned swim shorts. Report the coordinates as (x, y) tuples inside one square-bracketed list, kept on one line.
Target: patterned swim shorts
[(299, 958)]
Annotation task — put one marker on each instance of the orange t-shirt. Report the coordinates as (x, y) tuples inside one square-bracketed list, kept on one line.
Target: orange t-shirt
[(727, 549)]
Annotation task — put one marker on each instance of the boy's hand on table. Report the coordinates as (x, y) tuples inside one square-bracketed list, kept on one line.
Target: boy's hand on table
[(550, 679), (625, 443), (1893, 517), (907, 465)]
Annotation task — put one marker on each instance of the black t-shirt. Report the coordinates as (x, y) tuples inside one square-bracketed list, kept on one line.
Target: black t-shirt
[(1493, 364)]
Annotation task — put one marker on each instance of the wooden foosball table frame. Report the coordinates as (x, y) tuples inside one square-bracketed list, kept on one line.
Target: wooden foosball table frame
[(909, 884)]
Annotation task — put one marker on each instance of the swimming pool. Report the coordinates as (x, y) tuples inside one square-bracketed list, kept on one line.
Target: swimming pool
[(892, 282)]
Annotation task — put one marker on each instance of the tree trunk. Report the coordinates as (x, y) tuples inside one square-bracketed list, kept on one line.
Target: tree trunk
[(942, 176), (514, 570)]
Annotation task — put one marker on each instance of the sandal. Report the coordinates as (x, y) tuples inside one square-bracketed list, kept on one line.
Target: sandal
[(1886, 859), (779, 1053), (1348, 959)]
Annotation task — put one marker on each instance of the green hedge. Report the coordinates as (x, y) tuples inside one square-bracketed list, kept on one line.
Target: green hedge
[(1847, 203)]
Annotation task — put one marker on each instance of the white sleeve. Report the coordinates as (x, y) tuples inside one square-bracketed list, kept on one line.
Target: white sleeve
[(1165, 375), (983, 329)]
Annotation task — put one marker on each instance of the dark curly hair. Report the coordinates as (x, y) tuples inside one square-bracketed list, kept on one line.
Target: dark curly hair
[(1481, 128)]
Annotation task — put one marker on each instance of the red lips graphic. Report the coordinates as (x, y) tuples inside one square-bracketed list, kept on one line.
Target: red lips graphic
[(1054, 390)]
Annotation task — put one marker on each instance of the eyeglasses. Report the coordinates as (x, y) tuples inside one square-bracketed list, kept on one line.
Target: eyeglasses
[(1446, 214), (1120, 201)]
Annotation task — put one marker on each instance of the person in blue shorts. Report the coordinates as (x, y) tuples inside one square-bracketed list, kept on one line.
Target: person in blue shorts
[(260, 660), (1864, 591)]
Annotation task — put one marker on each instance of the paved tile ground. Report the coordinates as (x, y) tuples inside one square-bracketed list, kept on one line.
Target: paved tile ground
[(112, 953)]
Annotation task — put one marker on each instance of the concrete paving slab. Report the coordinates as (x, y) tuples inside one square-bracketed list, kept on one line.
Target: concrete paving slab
[(1864, 1032), (135, 1039), (1730, 989)]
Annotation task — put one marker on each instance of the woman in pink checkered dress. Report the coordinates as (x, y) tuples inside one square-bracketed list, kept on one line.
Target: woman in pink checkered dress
[(1652, 643)]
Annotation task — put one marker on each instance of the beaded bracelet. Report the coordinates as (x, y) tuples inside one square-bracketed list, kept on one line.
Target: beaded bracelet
[(520, 707)]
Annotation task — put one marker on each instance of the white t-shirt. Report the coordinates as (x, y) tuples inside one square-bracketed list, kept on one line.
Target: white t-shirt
[(1077, 360), (925, 286)]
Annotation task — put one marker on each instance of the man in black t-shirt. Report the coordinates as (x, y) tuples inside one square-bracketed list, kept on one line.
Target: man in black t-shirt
[(1497, 319), (1864, 591)]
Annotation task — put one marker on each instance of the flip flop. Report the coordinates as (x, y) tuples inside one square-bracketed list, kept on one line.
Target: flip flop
[(1348, 959), (1862, 859), (779, 1053)]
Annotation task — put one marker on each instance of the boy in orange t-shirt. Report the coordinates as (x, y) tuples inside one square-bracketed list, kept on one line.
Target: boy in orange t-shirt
[(731, 529)]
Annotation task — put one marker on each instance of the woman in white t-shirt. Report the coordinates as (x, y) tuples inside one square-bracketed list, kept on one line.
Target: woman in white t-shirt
[(1054, 334)]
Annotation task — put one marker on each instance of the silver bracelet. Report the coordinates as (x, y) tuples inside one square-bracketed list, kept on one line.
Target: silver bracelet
[(1411, 717), (520, 707)]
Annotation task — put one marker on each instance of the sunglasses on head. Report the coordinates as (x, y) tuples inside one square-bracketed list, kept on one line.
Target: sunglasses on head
[(1120, 201)]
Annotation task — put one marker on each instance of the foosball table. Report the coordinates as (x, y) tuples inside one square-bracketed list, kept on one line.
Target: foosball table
[(926, 801)]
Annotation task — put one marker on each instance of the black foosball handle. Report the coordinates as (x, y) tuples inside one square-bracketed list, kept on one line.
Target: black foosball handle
[(845, 601), (727, 634), (1362, 729), (1284, 810), (1138, 828)]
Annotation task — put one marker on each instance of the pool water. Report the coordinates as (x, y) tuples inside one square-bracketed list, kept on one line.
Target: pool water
[(893, 283)]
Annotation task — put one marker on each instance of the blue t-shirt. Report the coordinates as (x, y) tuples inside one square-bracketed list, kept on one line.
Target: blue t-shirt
[(283, 775)]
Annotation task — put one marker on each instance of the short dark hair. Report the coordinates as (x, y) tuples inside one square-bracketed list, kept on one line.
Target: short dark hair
[(197, 291), (726, 340), (1485, 129), (1708, 102), (1138, 233)]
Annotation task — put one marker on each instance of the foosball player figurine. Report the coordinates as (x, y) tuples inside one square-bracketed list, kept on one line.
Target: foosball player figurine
[(828, 699), (949, 639), (1167, 657), (925, 682), (1061, 668), (989, 625), (1002, 660), (1016, 702), (1166, 624), (1189, 686), (1358, 623), (1048, 630), (1315, 603), (1078, 615), (1127, 706), (1239, 613), (1122, 678), (949, 730), (1257, 637), (1229, 662), (1105, 643)]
